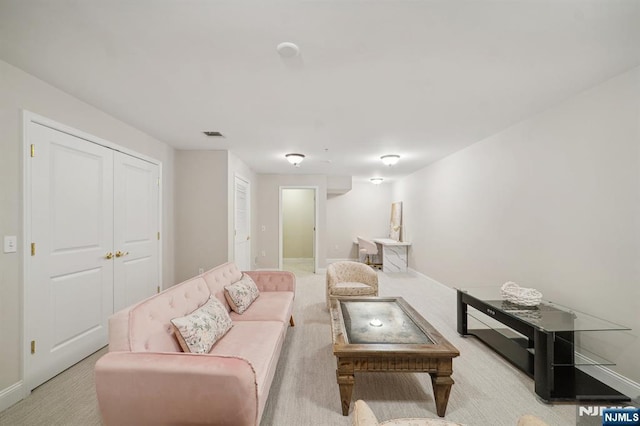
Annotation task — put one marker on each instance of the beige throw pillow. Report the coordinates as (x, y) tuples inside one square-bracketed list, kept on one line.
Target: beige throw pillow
[(202, 328), (241, 294)]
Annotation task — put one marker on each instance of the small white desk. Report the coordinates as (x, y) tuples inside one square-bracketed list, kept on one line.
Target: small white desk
[(392, 254), (395, 256)]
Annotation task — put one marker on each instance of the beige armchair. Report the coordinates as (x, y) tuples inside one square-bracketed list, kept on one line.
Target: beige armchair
[(348, 278), (363, 416)]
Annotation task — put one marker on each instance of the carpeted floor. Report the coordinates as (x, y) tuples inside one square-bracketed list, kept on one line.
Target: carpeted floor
[(488, 390)]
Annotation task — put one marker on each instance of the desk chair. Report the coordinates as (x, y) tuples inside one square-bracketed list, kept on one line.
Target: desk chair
[(369, 249)]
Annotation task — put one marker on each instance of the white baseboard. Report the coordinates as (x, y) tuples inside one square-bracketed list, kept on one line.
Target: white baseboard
[(11, 395), (600, 372)]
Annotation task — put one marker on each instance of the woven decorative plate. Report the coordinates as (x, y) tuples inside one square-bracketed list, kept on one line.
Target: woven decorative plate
[(520, 295)]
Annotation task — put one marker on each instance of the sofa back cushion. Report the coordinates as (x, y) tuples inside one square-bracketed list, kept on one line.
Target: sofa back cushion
[(219, 277), (150, 328)]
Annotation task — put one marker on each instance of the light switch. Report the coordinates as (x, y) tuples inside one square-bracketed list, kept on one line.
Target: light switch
[(10, 243)]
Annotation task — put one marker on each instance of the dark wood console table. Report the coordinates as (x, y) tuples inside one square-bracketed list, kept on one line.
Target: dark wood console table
[(539, 340)]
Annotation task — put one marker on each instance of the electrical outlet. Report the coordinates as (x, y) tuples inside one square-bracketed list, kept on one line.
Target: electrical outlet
[(263, 253), (10, 243), (264, 228), (200, 271)]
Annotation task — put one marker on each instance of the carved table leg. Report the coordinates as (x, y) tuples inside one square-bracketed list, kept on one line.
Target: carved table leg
[(346, 380), (441, 390)]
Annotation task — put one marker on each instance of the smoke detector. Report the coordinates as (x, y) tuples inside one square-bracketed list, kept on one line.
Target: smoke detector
[(288, 50)]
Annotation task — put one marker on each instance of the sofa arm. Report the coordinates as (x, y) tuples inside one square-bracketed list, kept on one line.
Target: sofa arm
[(119, 330), (273, 280), (150, 388)]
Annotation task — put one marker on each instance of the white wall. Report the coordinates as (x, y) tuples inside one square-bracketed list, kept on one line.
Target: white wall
[(205, 209), (298, 217), (22, 91), (202, 221), (551, 203), (363, 211)]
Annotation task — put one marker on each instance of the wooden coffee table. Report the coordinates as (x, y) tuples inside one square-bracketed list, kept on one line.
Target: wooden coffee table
[(401, 341)]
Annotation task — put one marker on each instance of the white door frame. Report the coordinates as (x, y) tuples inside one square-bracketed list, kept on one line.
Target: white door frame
[(248, 182), (28, 118), (315, 224)]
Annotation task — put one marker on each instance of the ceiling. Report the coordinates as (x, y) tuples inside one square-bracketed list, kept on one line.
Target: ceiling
[(421, 79)]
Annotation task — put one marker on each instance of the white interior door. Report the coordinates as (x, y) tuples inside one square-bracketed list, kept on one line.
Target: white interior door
[(242, 243), (69, 290), (137, 223)]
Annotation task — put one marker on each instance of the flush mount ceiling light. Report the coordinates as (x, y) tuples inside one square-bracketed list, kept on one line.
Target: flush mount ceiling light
[(288, 50), (295, 159), (390, 160), (376, 181)]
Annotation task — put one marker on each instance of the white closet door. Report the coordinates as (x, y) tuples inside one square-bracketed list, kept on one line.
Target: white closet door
[(242, 215), (137, 224), (69, 287)]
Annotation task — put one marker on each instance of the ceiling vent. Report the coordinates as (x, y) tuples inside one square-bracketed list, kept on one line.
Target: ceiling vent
[(211, 133)]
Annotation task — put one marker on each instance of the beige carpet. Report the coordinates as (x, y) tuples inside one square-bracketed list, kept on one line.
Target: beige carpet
[(488, 390), (67, 399)]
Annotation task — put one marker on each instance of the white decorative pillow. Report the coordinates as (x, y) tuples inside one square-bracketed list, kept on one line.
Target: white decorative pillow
[(202, 328), (241, 294)]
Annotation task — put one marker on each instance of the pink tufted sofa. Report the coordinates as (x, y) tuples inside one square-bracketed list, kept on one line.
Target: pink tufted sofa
[(146, 379)]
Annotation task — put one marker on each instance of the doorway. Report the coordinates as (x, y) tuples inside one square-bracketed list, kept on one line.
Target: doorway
[(298, 216)]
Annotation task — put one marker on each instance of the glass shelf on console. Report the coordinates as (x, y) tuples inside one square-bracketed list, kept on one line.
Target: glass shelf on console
[(479, 321), (547, 316), (583, 356)]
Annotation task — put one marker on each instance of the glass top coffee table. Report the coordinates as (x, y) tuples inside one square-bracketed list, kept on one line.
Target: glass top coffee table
[(382, 334)]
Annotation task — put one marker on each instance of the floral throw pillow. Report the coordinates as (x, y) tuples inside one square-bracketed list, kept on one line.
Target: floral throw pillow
[(202, 328), (241, 294)]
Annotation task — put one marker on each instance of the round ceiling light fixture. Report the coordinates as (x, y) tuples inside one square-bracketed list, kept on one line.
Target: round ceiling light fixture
[(287, 49), (390, 159), (295, 159), (376, 181)]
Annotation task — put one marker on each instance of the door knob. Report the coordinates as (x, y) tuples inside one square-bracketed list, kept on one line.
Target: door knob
[(109, 256), (120, 253)]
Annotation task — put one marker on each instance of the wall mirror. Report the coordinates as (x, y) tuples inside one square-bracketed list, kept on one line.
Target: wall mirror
[(395, 228)]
